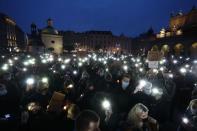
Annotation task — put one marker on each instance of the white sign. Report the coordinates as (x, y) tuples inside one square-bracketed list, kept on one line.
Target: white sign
[(153, 64)]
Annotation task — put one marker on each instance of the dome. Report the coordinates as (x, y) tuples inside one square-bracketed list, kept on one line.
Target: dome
[(50, 30)]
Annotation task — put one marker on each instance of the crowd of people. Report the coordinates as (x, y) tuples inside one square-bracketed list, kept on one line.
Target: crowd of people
[(97, 92)]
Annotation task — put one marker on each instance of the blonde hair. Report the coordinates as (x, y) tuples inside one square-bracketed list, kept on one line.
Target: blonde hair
[(133, 116), (73, 111)]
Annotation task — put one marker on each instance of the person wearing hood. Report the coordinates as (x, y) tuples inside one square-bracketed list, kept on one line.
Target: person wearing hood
[(122, 93)]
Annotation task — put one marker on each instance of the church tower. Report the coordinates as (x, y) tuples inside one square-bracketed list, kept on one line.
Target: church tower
[(33, 29), (50, 22), (51, 38)]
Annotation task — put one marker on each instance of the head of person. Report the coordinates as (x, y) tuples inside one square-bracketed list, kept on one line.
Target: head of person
[(87, 120), (85, 75), (137, 114), (42, 88), (101, 72), (125, 81), (73, 111), (193, 106)]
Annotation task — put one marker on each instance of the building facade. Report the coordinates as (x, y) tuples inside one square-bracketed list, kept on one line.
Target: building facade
[(95, 40), (35, 44), (45, 39), (105, 40), (179, 38), (69, 40), (12, 38)]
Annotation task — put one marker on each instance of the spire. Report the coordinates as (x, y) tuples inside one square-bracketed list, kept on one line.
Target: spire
[(50, 22), (33, 29), (33, 25)]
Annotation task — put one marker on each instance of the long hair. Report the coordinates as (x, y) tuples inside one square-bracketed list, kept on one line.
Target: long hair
[(73, 111), (133, 116)]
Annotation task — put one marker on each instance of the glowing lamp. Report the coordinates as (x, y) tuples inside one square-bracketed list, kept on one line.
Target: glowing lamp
[(183, 70), (4, 67), (185, 120), (125, 67), (175, 61), (24, 69), (75, 72), (45, 80), (106, 105), (141, 69), (170, 75), (142, 83), (65, 107), (67, 61), (80, 64), (63, 67), (161, 69), (30, 81), (187, 66), (70, 86), (155, 91)]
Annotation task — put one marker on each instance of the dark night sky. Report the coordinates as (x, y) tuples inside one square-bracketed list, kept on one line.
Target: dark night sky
[(130, 17)]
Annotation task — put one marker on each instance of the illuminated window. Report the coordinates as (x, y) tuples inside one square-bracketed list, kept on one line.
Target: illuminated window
[(179, 32), (178, 48), (168, 34), (158, 35), (162, 33)]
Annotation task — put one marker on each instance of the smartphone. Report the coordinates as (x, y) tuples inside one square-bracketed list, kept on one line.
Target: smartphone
[(7, 116)]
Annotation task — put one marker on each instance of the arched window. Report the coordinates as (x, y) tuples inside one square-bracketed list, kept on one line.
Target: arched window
[(179, 49), (165, 49), (193, 49)]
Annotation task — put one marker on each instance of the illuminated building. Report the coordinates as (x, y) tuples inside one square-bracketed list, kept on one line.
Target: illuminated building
[(12, 38), (179, 38), (104, 40), (95, 40), (35, 44), (69, 40), (47, 38)]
